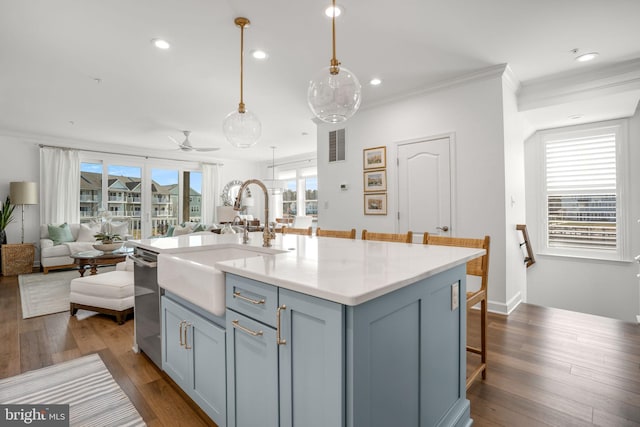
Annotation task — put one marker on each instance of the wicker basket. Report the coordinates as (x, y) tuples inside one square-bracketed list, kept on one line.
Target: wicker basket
[(17, 259)]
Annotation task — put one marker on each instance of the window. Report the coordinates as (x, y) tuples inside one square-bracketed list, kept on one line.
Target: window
[(289, 198), (164, 199), (166, 192), (192, 190), (311, 196), (90, 191), (583, 178)]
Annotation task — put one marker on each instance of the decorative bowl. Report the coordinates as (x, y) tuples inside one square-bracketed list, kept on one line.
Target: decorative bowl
[(108, 247)]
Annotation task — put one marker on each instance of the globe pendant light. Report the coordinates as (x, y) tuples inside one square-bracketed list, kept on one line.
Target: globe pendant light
[(241, 127), (334, 94), (273, 185)]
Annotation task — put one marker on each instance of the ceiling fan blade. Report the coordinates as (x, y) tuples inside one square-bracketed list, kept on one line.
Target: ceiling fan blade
[(203, 149), (174, 140)]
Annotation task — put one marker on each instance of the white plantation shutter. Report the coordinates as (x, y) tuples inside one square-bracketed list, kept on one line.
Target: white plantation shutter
[(581, 191)]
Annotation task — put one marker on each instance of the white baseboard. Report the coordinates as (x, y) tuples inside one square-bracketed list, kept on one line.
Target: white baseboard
[(505, 308)]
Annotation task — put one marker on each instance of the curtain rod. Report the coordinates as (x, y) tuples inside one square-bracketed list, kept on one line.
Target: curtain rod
[(130, 155)]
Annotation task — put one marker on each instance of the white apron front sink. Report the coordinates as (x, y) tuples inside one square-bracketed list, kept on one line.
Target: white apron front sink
[(192, 275)]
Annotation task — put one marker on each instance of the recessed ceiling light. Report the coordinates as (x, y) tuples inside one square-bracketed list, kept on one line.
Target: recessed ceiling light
[(375, 81), (587, 57), (161, 44), (259, 54), (329, 11)]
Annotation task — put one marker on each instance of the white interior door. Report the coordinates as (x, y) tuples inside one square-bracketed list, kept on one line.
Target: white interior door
[(424, 187)]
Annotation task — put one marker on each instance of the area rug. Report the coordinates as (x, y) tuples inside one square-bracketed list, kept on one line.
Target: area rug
[(42, 294), (85, 384)]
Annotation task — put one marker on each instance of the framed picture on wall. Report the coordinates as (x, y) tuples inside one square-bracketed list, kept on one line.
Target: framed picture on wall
[(375, 204), (375, 181), (375, 158)]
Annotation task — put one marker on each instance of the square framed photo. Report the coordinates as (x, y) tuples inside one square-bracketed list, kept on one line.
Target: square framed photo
[(375, 158), (375, 204), (375, 181)]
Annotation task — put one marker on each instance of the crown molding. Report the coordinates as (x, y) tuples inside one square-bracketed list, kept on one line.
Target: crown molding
[(577, 86), (487, 73)]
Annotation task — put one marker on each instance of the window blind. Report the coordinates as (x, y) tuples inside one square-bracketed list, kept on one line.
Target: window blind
[(581, 192)]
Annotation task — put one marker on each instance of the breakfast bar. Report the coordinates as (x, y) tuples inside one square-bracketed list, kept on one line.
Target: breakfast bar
[(315, 331)]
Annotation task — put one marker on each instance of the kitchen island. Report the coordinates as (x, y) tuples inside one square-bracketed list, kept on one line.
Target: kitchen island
[(321, 331)]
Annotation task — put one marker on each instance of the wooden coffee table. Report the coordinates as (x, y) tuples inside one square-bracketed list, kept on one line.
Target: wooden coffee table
[(95, 258)]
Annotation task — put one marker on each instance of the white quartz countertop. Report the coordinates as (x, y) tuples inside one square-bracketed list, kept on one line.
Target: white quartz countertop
[(345, 271)]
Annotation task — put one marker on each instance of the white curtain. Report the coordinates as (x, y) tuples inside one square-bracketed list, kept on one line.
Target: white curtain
[(59, 186), (210, 193)]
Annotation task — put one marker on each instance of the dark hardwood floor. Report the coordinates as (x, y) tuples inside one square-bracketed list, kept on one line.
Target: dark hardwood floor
[(28, 344), (547, 367), (550, 367)]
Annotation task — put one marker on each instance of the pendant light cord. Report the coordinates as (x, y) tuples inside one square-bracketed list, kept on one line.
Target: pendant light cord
[(241, 22), (335, 65)]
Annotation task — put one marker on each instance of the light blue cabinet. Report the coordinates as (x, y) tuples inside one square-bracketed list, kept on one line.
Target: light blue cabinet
[(297, 360), (193, 355), (311, 361), (285, 370)]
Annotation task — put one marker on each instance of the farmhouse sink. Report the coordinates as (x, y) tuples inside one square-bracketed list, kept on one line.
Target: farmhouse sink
[(192, 275)]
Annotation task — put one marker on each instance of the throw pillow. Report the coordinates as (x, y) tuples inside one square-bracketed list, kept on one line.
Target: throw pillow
[(121, 228), (60, 233), (199, 227), (170, 230), (178, 230), (88, 231)]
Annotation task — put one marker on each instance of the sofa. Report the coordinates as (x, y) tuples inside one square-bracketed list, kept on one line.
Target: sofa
[(57, 255)]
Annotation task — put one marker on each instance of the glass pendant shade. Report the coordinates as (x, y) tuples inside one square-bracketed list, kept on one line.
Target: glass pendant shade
[(242, 129), (333, 98)]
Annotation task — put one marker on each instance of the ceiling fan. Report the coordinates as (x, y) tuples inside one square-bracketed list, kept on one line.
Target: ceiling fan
[(186, 144)]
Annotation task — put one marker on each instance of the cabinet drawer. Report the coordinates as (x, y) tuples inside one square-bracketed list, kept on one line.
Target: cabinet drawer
[(251, 298)]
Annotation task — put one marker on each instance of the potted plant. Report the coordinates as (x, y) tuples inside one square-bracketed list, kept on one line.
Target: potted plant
[(107, 238), (6, 216), (109, 242)]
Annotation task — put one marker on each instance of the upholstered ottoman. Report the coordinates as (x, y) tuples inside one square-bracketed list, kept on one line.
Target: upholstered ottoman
[(108, 293)]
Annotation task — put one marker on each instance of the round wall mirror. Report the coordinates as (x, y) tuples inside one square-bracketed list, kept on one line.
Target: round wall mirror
[(230, 192)]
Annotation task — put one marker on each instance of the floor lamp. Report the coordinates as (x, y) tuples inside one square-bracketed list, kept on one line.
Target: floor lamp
[(23, 193)]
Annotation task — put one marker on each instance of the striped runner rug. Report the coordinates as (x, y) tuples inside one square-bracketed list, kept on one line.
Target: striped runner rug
[(85, 384)]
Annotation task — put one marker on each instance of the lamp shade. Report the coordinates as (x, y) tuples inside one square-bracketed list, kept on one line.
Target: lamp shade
[(23, 193), (248, 201), (225, 213)]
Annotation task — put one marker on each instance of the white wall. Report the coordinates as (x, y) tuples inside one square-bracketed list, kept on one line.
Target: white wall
[(21, 162), (605, 288), (473, 113), (515, 203)]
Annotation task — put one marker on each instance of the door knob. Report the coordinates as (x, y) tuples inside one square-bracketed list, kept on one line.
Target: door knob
[(444, 228)]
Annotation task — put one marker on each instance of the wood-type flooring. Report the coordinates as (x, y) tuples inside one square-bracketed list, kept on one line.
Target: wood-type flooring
[(547, 367)]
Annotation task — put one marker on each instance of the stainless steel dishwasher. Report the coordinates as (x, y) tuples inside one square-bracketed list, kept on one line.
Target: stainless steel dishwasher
[(147, 305)]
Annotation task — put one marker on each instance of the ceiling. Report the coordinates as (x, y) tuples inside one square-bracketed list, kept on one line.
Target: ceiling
[(85, 71)]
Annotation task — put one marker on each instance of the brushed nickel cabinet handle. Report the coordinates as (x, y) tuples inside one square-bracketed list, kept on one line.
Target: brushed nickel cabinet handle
[(279, 340), (237, 294), (236, 324), (187, 325), (180, 333)]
